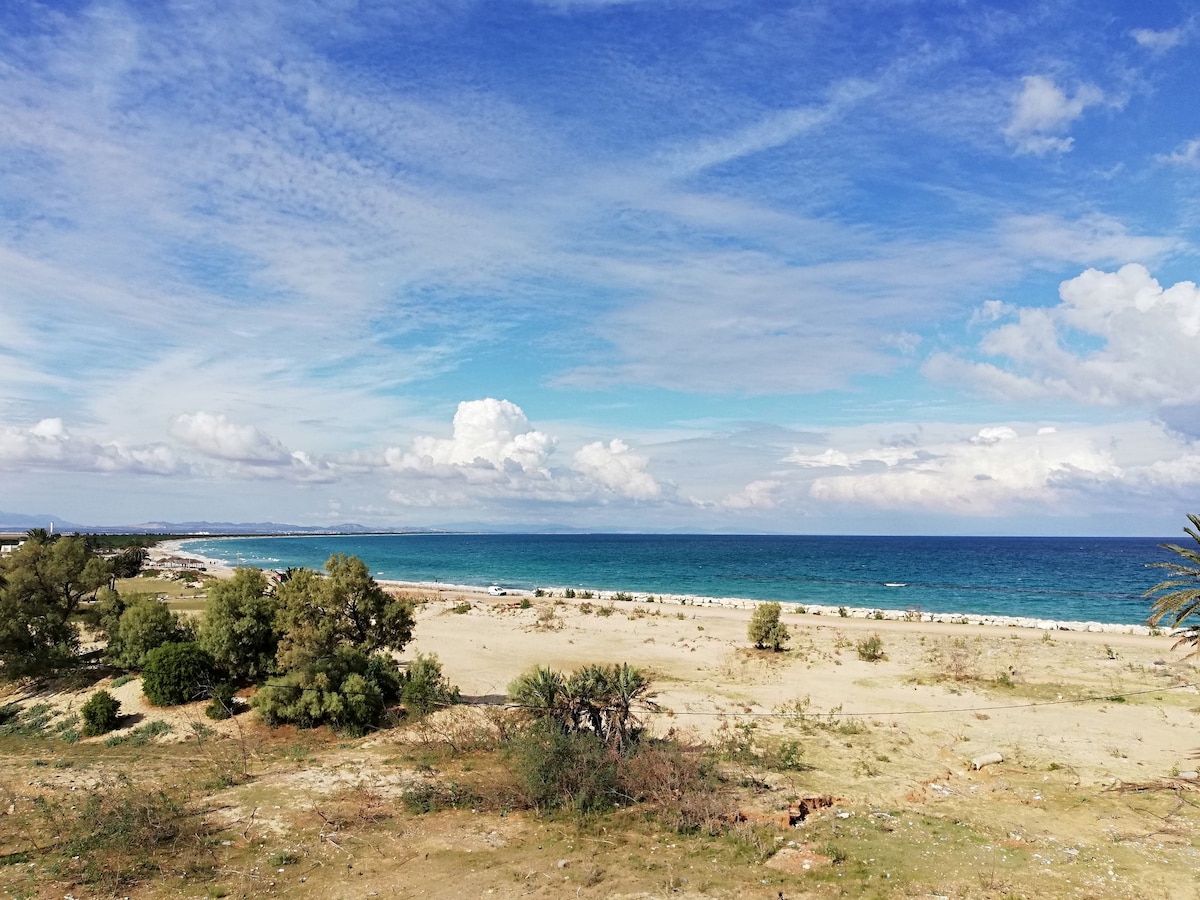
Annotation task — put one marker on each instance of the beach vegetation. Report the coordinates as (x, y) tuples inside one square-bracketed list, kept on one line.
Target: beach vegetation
[(145, 624), (569, 593), (348, 690), (345, 608), (42, 586), (424, 688), (870, 649), (843, 612), (622, 597), (1178, 595), (587, 595), (238, 627), (177, 673), (129, 562), (100, 713), (766, 630), (609, 701)]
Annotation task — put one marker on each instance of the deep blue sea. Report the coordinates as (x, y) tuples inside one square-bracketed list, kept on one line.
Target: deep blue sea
[(1073, 579)]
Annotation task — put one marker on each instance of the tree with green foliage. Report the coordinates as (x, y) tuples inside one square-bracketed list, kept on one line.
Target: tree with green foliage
[(145, 624), (177, 673), (238, 627), (765, 628), (347, 690), (1179, 598), (43, 584), (128, 563), (345, 608)]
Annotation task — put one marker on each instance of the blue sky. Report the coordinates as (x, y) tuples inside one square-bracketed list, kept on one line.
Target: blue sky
[(824, 268)]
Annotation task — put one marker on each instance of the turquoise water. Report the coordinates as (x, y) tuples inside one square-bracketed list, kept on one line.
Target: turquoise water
[(1074, 579)]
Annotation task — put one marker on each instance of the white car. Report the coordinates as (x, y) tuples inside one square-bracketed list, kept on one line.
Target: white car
[(496, 591)]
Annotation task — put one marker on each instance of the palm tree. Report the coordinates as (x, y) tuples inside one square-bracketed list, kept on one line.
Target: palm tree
[(629, 688), (542, 691), (1181, 599)]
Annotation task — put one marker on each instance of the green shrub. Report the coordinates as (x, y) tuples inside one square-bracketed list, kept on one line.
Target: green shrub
[(559, 769), (424, 688), (100, 713), (843, 612), (220, 707), (526, 603), (461, 608), (177, 673), (870, 649), (347, 690), (766, 630), (569, 593), (622, 597)]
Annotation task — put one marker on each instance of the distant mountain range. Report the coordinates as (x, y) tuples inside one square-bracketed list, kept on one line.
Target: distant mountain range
[(22, 522)]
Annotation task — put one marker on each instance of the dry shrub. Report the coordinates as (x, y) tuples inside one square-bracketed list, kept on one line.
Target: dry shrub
[(956, 659), (679, 784), (120, 834), (464, 730)]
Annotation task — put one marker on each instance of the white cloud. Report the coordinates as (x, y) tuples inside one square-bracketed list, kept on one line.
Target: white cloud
[(1187, 155), (1087, 240), (759, 494), (615, 466), (215, 436), (488, 434), (1115, 338), (1159, 41), (995, 471), (1043, 112), (50, 445)]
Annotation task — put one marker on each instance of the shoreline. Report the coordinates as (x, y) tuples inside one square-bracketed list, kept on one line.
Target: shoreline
[(813, 610)]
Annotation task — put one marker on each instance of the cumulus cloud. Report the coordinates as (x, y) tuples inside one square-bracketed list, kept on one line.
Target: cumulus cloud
[(50, 445), (616, 467), (1115, 338), (1043, 112), (993, 471), (215, 436), (487, 434), (756, 495)]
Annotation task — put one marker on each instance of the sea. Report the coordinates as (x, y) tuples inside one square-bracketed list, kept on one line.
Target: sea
[(1060, 578)]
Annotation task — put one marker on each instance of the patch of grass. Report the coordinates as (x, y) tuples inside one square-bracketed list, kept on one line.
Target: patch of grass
[(140, 736), (120, 834), (460, 609), (122, 680)]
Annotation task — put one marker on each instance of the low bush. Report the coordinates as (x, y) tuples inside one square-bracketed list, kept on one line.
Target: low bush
[(177, 673), (220, 707), (347, 690), (560, 769), (423, 687), (870, 649), (100, 713)]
